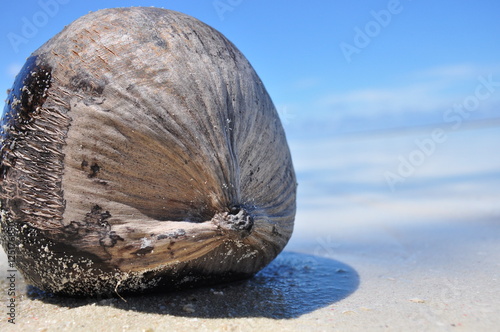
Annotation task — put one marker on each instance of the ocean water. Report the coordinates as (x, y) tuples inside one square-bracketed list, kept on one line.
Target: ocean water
[(425, 176)]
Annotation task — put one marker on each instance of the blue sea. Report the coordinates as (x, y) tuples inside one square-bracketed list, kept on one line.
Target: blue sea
[(414, 176)]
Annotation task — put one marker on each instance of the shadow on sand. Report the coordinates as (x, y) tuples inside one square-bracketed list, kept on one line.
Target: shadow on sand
[(292, 285)]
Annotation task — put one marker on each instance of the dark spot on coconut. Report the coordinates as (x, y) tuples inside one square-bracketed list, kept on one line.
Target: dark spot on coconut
[(92, 172), (94, 169), (159, 41), (98, 216), (173, 235), (111, 239), (94, 101), (89, 85), (143, 251), (96, 221), (170, 245)]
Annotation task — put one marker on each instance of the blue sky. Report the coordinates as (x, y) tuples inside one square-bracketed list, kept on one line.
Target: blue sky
[(331, 67)]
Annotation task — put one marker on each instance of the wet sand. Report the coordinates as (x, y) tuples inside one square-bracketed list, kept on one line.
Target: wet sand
[(424, 256), (411, 279)]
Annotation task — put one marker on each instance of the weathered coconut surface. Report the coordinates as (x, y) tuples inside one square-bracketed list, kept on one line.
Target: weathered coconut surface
[(140, 150)]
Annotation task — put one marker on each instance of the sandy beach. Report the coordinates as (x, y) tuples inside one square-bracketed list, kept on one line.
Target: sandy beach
[(423, 256)]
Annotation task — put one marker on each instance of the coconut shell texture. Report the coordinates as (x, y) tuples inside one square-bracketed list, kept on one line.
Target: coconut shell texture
[(141, 151)]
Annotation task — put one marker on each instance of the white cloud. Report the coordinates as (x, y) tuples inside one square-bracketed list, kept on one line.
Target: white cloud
[(369, 101), (431, 90), (457, 71)]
